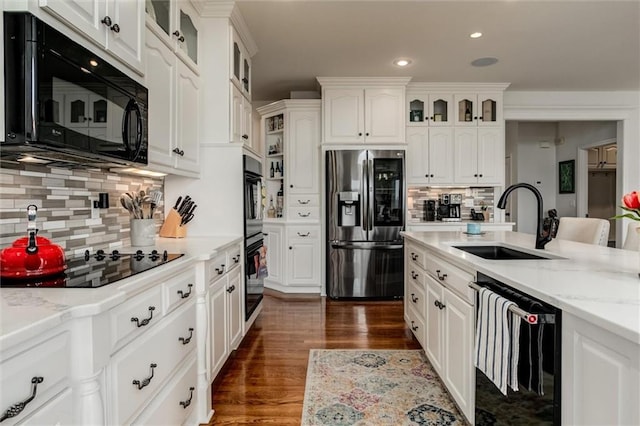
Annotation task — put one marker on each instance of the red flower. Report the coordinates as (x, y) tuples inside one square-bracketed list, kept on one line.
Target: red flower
[(631, 200), (631, 204)]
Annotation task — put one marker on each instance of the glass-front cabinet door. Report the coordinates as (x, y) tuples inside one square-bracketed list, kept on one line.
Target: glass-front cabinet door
[(482, 109), (177, 23), (433, 109)]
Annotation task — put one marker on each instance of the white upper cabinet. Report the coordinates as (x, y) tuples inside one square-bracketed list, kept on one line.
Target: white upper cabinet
[(432, 109), (177, 24), (478, 109), (116, 25), (479, 156), (430, 159), (358, 110), (240, 62), (173, 98), (302, 146)]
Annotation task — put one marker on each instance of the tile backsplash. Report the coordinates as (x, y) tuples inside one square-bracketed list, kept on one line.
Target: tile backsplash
[(64, 208), (417, 196)]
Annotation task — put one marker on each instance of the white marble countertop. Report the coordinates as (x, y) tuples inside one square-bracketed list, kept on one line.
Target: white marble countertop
[(461, 222), (595, 283), (27, 312)]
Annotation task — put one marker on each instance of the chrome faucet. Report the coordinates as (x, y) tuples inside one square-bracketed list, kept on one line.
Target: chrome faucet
[(541, 238)]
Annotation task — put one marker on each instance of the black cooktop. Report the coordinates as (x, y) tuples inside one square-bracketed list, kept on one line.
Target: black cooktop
[(97, 269)]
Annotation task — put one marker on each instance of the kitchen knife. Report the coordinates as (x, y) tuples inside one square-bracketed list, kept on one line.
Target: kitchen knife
[(177, 203), (185, 200), (187, 217), (184, 209)]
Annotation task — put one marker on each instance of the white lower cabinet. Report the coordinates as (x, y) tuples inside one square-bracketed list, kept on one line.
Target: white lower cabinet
[(42, 369), (600, 376), (303, 256), (273, 240), (226, 308), (176, 401), (218, 308), (448, 315), (139, 370)]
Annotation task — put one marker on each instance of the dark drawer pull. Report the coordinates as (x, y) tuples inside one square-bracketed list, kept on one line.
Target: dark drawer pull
[(146, 381), (236, 259), (414, 275), (187, 403), (16, 409), (414, 299), (146, 320), (186, 340), (220, 270), (441, 277), (413, 326), (304, 214), (231, 289), (304, 202), (303, 235), (184, 295)]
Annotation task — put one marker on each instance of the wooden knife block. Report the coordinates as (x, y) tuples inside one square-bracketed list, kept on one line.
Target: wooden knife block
[(171, 227)]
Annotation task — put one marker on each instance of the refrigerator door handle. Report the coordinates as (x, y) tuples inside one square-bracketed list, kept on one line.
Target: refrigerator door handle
[(365, 197), (370, 195)]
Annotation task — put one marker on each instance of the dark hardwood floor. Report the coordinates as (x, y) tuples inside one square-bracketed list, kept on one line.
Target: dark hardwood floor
[(263, 382)]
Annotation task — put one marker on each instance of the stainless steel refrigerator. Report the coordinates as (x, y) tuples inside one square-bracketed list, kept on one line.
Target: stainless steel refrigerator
[(365, 214)]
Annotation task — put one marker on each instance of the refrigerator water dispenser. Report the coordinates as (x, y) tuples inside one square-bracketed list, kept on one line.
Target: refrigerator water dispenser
[(348, 209)]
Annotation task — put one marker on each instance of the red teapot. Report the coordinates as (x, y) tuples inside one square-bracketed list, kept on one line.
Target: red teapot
[(31, 256)]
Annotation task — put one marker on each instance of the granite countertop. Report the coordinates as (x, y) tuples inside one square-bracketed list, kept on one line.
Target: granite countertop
[(461, 222), (595, 283), (27, 312)]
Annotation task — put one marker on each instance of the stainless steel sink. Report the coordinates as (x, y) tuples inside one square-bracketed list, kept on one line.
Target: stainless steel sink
[(499, 253)]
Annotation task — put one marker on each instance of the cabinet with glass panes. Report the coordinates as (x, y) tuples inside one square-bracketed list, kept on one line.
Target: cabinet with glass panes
[(176, 23)]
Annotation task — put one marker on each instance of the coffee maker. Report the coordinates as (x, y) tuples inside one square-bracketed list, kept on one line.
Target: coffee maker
[(449, 207)]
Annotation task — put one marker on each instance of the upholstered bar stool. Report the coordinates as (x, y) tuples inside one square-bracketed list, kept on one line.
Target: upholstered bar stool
[(631, 240), (584, 230)]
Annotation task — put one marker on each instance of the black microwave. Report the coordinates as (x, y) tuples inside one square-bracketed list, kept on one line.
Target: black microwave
[(65, 104)]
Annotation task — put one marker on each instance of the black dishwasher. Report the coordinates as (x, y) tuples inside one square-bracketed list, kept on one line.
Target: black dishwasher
[(539, 368)]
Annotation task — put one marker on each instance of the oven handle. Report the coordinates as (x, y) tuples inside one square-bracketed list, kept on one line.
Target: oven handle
[(528, 317)]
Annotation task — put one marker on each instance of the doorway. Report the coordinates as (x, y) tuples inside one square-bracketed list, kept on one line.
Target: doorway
[(601, 165)]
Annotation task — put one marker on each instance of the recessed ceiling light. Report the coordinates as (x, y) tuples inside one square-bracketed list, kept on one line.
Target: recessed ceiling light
[(93, 63), (402, 62), (484, 62), (477, 34)]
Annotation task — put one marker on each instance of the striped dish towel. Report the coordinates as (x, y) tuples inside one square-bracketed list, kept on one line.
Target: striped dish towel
[(497, 340)]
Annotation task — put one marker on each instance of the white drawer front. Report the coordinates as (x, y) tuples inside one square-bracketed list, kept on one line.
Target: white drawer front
[(415, 297), (307, 232), (132, 318), (217, 266), (150, 361), (416, 255), (451, 277), (45, 366), (304, 213), (234, 257), (59, 411), (416, 324), (304, 200), (179, 290), (176, 402)]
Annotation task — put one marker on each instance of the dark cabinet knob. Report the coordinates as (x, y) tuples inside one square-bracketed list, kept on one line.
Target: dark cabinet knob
[(106, 21), (115, 28), (290, 186), (360, 134), (181, 39), (245, 80), (245, 137), (176, 33)]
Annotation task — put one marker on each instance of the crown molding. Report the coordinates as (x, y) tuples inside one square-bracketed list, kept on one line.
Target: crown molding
[(363, 81)]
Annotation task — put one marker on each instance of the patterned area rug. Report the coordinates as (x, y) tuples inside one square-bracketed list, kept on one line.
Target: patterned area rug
[(375, 387)]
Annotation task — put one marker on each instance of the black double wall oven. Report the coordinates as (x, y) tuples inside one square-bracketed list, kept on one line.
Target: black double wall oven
[(255, 252), (65, 104)]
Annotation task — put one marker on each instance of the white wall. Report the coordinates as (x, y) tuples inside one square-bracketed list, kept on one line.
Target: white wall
[(622, 107), (535, 157), (576, 134)]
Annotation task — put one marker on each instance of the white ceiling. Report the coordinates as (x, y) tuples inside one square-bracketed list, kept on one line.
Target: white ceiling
[(541, 45)]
